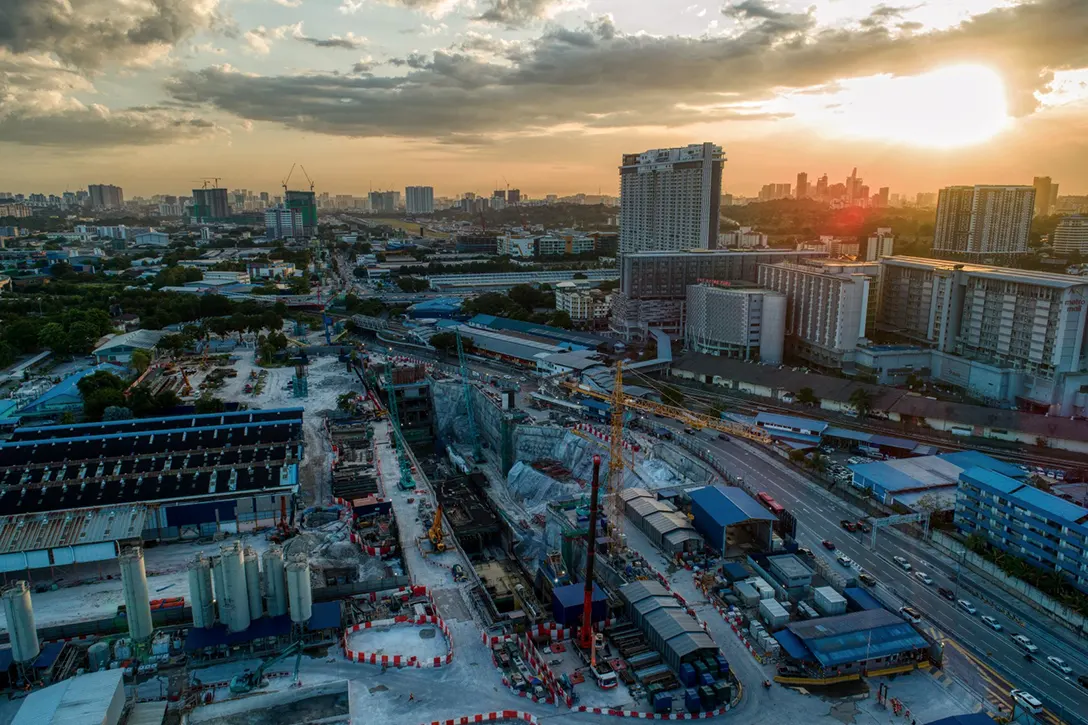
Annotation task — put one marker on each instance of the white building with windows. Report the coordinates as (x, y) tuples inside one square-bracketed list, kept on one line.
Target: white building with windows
[(419, 199), (281, 222), (981, 222), (581, 302), (743, 238), (1071, 235), (670, 198), (879, 244), (745, 323), (512, 245)]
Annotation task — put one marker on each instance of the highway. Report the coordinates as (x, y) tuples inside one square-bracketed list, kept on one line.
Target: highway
[(819, 514)]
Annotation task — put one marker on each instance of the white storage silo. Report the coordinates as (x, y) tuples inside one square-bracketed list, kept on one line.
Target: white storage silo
[(275, 585), (298, 589), (98, 655), (20, 618), (134, 587), (220, 589), (200, 592), (234, 597), (253, 583)]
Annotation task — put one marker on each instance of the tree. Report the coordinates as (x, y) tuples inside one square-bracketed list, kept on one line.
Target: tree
[(806, 396), (116, 412), (23, 335), (412, 284), (561, 318), (445, 342), (580, 275), (53, 337), (81, 337), (207, 403), (862, 402), (100, 391), (141, 359)]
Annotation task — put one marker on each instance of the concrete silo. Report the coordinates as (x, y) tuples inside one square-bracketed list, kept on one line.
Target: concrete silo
[(253, 583), (201, 596), (275, 582), (234, 599), (20, 617), (299, 595), (134, 587)]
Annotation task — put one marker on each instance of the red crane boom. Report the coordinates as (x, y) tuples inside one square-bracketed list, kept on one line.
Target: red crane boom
[(585, 634)]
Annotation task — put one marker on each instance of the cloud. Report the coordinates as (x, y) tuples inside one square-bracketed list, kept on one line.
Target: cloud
[(86, 34), (519, 13), (434, 8), (288, 3), (579, 77), (259, 40), (347, 42)]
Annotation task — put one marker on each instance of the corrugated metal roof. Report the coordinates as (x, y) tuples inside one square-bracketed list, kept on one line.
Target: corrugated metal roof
[(629, 493), (651, 604), (30, 532), (75, 701), (666, 522), (1056, 507), (147, 713), (857, 636), (689, 642), (790, 421), (681, 535), (972, 459), (729, 506), (995, 481), (646, 507), (636, 591), (670, 623)]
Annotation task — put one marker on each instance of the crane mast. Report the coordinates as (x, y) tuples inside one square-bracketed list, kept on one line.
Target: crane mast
[(398, 435), (613, 500), (477, 453)]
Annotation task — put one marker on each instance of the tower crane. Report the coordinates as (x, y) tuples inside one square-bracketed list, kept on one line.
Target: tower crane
[(307, 177), (477, 454), (284, 184), (613, 501), (406, 480)]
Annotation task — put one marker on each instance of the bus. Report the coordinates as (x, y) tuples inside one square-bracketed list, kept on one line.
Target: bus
[(770, 504)]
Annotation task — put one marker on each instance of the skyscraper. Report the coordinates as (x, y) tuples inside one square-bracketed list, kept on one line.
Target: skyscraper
[(781, 191), (106, 196), (881, 198), (513, 196), (1042, 186), (210, 205), (384, 200), (419, 199), (802, 185), (974, 222), (1071, 235), (283, 222), (821, 187), (852, 184), (670, 198), (306, 203)]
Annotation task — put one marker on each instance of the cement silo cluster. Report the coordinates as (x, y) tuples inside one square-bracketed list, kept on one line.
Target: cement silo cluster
[(20, 617), (134, 589), (233, 588)]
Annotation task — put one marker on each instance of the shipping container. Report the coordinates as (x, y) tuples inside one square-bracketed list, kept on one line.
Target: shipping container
[(691, 700), (662, 702), (687, 674)]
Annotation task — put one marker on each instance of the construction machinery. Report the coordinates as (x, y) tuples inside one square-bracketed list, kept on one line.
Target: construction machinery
[(586, 644), (477, 452), (287, 179), (249, 681), (435, 532), (613, 506)]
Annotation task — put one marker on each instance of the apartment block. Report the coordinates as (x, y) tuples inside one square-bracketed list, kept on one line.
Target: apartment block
[(978, 223), (1044, 530), (1071, 236), (419, 199), (744, 323), (580, 302)]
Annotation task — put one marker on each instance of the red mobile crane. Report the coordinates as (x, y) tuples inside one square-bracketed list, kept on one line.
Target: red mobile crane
[(602, 671)]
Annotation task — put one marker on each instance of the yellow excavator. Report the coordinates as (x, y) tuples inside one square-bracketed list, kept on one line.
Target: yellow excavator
[(435, 532)]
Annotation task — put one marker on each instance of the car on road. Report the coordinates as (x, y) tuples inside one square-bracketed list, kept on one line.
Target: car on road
[(844, 560), (910, 614), (848, 525), (829, 545), (1083, 680), (946, 593), (690, 431), (864, 527), (1060, 665), (966, 606), (723, 437), (1028, 701), (804, 552), (992, 623), (903, 563), (867, 579), (1024, 642), (923, 577)]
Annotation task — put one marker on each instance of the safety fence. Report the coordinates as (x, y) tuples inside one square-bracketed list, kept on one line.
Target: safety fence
[(397, 660), (498, 716)]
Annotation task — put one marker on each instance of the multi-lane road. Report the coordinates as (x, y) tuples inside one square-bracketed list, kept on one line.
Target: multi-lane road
[(819, 514)]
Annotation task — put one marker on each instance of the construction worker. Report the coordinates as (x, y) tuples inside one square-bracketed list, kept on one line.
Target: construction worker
[(411, 697)]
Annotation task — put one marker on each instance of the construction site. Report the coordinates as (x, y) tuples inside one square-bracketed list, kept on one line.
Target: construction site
[(380, 538)]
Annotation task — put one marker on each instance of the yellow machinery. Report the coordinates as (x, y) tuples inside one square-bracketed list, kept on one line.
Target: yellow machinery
[(435, 532), (187, 388)]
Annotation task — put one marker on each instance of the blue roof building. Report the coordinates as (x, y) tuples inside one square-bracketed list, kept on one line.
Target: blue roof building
[(441, 307), (866, 640), (64, 397), (718, 508), (571, 339), (1044, 530)]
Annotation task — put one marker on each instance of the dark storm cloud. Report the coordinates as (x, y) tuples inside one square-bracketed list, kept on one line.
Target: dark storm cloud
[(594, 73), (516, 13)]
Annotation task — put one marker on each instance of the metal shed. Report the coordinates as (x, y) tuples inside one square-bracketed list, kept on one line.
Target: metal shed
[(668, 628)]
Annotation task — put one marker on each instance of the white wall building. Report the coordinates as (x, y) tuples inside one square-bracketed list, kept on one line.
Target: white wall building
[(419, 199), (670, 198), (743, 238), (746, 323), (564, 243), (879, 245), (222, 275), (582, 303), (1071, 235), (980, 222), (512, 245), (826, 312), (152, 238), (280, 222)]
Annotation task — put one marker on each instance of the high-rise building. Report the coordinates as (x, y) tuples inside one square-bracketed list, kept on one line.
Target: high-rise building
[(106, 196), (283, 222), (210, 205), (821, 188), (1053, 198), (802, 185), (499, 194), (384, 200), (853, 185), (735, 321), (419, 199), (826, 309), (879, 244), (881, 199), (781, 191), (513, 196), (1043, 185), (1071, 236), (978, 222), (670, 198), (306, 203)]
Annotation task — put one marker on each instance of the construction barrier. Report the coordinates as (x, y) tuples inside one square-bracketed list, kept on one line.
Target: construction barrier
[(487, 717), (653, 715), (404, 594), (605, 437)]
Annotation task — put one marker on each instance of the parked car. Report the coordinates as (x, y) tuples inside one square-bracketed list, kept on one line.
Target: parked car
[(923, 577), (910, 614), (903, 563), (946, 593), (967, 606), (829, 545), (992, 623), (1059, 664)]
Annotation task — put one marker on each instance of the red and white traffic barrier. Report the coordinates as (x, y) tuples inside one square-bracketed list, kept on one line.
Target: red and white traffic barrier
[(488, 717), (653, 715), (404, 594)]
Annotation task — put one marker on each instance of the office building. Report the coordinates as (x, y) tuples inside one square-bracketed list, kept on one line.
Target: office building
[(879, 244), (513, 197), (283, 222), (1040, 528), (670, 198), (499, 194), (419, 199), (982, 222), (306, 204), (581, 302), (826, 309), (925, 200), (384, 201), (745, 323), (743, 238), (1046, 193), (821, 188), (559, 243), (654, 285), (881, 200), (802, 186), (106, 196), (209, 205), (1071, 236)]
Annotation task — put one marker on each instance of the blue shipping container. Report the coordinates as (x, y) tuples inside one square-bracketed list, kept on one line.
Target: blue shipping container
[(707, 679), (687, 674), (691, 700), (662, 702), (723, 664)]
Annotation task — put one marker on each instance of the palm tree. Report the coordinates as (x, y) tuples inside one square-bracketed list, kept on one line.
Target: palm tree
[(862, 402)]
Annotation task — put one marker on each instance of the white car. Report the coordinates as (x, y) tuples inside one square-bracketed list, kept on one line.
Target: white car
[(923, 577), (966, 606), (1059, 664), (1025, 643), (845, 560), (910, 614), (992, 623), (1027, 700), (903, 563)]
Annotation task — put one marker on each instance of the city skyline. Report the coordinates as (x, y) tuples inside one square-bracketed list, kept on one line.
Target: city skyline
[(457, 95)]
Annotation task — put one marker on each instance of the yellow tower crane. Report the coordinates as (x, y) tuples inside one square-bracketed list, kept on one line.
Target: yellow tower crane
[(613, 499)]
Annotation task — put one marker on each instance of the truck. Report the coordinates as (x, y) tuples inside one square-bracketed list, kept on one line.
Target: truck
[(602, 671), (662, 432)]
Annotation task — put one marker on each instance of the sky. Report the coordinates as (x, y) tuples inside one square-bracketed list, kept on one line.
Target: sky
[(541, 95)]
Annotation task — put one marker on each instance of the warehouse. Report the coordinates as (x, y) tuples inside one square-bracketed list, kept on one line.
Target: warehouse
[(730, 519), (669, 629), (859, 642), (96, 698), (662, 523)]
